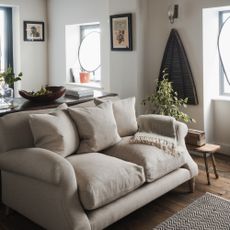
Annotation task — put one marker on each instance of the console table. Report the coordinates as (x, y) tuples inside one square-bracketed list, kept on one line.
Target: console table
[(21, 104)]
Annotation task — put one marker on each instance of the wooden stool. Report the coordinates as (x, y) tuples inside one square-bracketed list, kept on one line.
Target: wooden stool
[(207, 150)]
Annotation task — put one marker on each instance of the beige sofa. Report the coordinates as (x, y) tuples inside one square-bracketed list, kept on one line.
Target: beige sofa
[(91, 175)]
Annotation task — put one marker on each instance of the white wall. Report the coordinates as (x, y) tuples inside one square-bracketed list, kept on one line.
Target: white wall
[(190, 28), (222, 124), (62, 13), (123, 64), (127, 67), (133, 73), (31, 57), (122, 72)]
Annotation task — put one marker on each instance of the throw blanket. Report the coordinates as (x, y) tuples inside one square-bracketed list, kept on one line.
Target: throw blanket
[(168, 145), (158, 124), (157, 130)]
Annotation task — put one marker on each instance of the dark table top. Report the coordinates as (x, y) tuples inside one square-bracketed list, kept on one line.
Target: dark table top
[(21, 104)]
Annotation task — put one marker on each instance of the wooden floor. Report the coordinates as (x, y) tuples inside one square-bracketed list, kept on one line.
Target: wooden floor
[(158, 210)]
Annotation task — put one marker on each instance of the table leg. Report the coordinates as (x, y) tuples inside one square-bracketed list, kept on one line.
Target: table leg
[(214, 165), (206, 166)]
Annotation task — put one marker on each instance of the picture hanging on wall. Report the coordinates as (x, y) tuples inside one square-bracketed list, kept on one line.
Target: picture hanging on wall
[(34, 31), (121, 32)]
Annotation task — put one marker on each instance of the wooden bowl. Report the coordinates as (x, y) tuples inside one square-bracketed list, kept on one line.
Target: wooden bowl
[(56, 92)]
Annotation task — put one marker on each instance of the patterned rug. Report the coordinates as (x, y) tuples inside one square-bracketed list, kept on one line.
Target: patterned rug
[(208, 212)]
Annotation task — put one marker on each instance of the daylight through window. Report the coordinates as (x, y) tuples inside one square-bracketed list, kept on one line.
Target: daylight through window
[(224, 48), (2, 41), (83, 54)]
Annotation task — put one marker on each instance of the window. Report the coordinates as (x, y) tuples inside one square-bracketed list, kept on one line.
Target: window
[(91, 53), (6, 38), (2, 41), (224, 52), (83, 53)]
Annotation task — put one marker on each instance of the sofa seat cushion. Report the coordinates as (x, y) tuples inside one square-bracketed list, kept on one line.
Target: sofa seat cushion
[(156, 162), (103, 179)]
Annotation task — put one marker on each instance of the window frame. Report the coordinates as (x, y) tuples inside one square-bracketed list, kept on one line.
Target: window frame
[(85, 27), (221, 72)]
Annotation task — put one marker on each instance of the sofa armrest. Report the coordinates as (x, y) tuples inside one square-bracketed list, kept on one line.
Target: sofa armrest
[(47, 166), (37, 163), (163, 125), (181, 131), (158, 124)]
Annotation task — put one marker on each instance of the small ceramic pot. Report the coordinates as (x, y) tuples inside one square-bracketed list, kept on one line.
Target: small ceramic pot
[(84, 77)]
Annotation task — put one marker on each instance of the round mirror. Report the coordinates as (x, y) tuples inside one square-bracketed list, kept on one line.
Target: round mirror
[(223, 49), (89, 52)]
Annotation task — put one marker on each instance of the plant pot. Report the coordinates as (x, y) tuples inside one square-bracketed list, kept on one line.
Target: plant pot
[(84, 77)]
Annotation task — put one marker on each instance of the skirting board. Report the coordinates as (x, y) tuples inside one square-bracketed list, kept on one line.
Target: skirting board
[(225, 149)]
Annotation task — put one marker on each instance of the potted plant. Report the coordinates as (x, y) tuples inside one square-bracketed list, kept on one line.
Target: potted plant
[(84, 77), (165, 101), (7, 80)]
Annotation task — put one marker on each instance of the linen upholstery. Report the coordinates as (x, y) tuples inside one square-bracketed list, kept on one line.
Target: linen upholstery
[(44, 187), (156, 162), (106, 215), (12, 126), (54, 207), (158, 124), (181, 132), (102, 179), (190, 163), (37, 163), (96, 126), (15, 130), (125, 115), (55, 132)]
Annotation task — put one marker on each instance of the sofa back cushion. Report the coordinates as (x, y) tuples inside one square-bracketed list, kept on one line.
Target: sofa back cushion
[(55, 132), (15, 130), (96, 126), (125, 115)]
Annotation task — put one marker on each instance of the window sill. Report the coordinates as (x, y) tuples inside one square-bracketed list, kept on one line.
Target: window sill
[(222, 98), (91, 85)]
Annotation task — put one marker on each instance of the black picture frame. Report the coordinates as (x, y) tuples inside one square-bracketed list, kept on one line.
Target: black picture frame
[(34, 31), (121, 32)]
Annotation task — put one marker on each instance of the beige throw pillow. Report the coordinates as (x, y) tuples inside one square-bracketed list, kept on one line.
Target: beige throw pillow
[(55, 132), (96, 126), (125, 115)]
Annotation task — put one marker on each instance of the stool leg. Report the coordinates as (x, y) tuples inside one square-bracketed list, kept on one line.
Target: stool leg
[(206, 166), (214, 165)]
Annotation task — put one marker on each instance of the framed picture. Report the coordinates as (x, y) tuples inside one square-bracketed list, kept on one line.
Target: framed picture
[(121, 32), (34, 31)]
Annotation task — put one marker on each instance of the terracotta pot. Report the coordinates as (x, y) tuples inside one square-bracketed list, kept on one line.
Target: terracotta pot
[(84, 77)]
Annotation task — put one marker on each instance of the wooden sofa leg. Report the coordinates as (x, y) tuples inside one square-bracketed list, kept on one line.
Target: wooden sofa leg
[(192, 184)]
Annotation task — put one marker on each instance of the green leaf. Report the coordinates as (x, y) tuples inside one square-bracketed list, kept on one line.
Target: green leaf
[(9, 77), (165, 100)]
